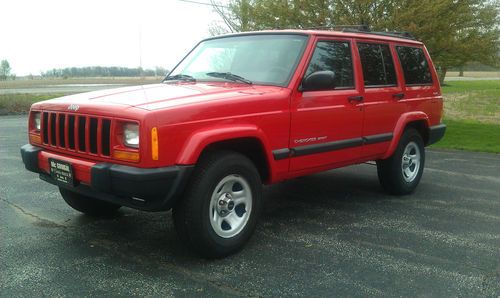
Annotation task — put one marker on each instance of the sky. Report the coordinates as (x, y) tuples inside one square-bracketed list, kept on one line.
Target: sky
[(39, 35)]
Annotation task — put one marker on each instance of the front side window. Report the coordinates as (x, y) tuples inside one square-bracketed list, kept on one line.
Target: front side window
[(378, 66), (334, 56), (268, 59), (415, 66)]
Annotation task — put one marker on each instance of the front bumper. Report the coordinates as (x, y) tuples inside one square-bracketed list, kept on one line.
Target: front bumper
[(154, 189)]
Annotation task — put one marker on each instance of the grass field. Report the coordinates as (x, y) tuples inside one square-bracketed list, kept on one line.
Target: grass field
[(69, 81), (472, 114), (472, 100), (471, 136), (475, 74), (21, 103)]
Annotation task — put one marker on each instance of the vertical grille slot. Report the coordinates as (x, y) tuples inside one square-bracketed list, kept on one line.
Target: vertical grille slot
[(93, 135), (45, 127), (81, 133), (71, 131), (62, 125), (53, 140), (105, 136)]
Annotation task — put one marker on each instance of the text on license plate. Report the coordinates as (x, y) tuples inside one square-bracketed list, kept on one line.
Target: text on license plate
[(61, 171)]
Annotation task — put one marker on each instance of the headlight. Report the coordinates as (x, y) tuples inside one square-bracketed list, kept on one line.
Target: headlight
[(131, 135), (37, 120)]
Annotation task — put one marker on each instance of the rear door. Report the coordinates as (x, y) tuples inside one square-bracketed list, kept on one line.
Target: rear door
[(382, 95), (326, 125)]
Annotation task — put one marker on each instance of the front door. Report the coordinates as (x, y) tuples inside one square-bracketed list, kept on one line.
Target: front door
[(326, 125)]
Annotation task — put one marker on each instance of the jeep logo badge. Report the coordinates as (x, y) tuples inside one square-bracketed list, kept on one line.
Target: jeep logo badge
[(73, 107)]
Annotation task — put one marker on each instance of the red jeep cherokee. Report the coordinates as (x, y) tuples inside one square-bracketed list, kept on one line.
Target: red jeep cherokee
[(239, 111)]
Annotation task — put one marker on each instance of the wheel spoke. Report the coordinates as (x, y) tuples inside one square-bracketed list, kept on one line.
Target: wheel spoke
[(232, 220), (214, 214), (227, 187), (408, 172), (239, 197), (218, 221)]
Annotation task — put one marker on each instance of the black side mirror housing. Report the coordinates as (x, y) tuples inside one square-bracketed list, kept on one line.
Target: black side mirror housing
[(319, 80)]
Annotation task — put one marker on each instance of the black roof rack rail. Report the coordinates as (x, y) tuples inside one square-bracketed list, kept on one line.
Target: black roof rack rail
[(362, 29), (405, 35), (338, 27)]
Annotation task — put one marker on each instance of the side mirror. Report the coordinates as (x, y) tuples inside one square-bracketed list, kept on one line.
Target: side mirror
[(319, 80)]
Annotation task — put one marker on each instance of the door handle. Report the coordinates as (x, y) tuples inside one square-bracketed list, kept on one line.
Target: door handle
[(355, 98), (398, 96)]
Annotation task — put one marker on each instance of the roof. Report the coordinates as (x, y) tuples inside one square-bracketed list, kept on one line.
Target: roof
[(332, 33)]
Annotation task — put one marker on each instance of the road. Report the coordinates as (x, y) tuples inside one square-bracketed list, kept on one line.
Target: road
[(333, 233)]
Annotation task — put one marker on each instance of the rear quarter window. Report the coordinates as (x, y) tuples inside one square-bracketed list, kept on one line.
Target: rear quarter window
[(415, 66)]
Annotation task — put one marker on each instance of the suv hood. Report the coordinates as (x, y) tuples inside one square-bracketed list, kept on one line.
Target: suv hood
[(157, 96)]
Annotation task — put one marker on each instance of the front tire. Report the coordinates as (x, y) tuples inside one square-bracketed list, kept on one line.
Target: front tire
[(400, 174), (219, 211), (88, 205)]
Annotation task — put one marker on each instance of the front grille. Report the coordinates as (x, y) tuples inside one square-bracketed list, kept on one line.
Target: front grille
[(80, 133)]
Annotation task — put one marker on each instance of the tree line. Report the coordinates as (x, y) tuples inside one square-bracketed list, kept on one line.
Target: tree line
[(90, 71), (103, 71), (455, 32)]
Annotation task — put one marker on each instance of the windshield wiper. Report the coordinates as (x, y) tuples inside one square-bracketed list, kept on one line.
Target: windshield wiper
[(229, 76), (180, 77)]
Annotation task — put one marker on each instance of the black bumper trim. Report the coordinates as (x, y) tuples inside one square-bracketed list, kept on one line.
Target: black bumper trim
[(158, 188), (436, 133), (29, 154), (149, 189)]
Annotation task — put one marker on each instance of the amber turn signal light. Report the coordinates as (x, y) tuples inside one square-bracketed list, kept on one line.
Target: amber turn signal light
[(154, 143), (126, 155), (35, 139)]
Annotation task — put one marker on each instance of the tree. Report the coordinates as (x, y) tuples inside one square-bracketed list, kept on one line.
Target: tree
[(455, 32), (4, 70)]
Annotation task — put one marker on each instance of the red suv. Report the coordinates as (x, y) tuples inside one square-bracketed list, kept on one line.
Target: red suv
[(237, 112)]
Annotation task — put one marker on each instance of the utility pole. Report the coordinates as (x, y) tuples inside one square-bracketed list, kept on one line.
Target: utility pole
[(141, 72)]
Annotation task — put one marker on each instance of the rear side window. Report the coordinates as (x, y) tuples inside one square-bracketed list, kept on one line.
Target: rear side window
[(334, 56), (378, 66), (415, 66)]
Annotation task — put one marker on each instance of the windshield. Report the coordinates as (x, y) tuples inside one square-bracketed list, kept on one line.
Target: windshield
[(259, 59)]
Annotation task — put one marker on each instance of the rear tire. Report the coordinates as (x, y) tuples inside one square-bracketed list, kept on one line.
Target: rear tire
[(219, 211), (88, 205), (401, 173)]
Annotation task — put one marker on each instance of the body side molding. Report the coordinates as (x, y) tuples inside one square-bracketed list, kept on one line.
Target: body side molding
[(331, 146)]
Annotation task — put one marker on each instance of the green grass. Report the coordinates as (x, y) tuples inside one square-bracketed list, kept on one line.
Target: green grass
[(472, 114), (21, 103), (471, 136)]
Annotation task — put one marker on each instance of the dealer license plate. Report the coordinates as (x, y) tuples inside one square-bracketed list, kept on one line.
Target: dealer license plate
[(61, 171)]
